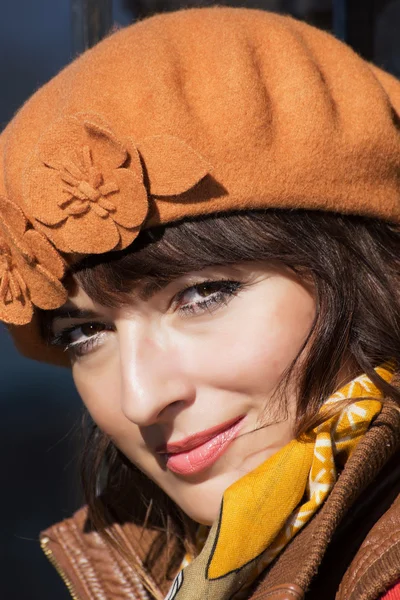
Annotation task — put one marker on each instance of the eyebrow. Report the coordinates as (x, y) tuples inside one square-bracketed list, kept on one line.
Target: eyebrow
[(150, 288), (70, 313), (145, 292), (47, 318), (65, 312)]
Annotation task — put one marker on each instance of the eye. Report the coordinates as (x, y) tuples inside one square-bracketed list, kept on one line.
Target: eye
[(81, 339), (87, 330), (206, 295), (201, 291)]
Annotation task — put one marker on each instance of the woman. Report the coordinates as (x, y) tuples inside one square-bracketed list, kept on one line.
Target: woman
[(200, 216)]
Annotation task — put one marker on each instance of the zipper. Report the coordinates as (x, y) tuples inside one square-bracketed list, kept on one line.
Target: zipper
[(44, 543)]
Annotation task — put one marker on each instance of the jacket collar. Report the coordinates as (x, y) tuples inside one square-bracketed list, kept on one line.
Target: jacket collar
[(301, 560)]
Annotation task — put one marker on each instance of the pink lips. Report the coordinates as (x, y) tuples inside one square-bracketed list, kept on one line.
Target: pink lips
[(198, 452)]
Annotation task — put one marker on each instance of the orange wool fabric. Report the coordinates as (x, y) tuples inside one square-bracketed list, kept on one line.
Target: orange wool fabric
[(185, 114)]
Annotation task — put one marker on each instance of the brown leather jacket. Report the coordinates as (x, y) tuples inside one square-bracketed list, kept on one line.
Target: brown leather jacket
[(349, 551)]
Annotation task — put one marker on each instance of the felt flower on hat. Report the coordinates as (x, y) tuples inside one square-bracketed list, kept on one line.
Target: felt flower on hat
[(85, 188), (30, 268)]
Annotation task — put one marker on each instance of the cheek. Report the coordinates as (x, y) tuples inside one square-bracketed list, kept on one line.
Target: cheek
[(261, 334), (100, 392)]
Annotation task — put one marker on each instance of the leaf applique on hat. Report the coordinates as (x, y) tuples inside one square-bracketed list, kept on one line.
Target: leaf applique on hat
[(30, 268), (172, 166), (81, 190)]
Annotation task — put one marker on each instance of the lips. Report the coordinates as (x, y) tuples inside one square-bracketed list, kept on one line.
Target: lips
[(198, 452)]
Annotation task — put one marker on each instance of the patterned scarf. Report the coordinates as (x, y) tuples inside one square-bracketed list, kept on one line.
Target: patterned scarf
[(261, 512)]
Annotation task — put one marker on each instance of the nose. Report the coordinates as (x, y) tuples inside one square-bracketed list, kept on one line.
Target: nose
[(154, 384)]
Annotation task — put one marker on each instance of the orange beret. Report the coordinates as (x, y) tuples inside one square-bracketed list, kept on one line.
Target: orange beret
[(186, 114)]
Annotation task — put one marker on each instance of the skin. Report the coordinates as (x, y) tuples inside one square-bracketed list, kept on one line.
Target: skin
[(155, 373)]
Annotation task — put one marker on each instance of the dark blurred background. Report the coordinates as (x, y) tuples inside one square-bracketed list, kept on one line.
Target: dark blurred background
[(41, 413)]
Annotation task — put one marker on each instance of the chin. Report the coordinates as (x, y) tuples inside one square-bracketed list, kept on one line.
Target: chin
[(202, 501), (203, 517), (201, 498), (202, 514)]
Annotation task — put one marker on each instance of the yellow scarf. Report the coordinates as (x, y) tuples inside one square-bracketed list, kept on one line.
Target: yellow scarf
[(263, 511)]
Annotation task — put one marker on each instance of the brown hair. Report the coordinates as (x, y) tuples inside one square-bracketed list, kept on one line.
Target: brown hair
[(354, 264)]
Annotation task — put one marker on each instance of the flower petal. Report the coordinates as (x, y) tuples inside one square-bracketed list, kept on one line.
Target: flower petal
[(14, 310), (66, 138), (131, 202), (12, 224), (18, 312), (21, 275), (134, 162), (45, 290), (55, 235), (107, 151), (127, 236), (172, 166), (44, 252), (12, 215), (44, 193), (85, 234)]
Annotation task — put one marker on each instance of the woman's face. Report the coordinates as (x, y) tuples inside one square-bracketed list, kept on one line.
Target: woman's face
[(183, 378)]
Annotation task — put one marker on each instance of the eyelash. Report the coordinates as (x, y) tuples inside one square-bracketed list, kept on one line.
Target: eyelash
[(224, 292)]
